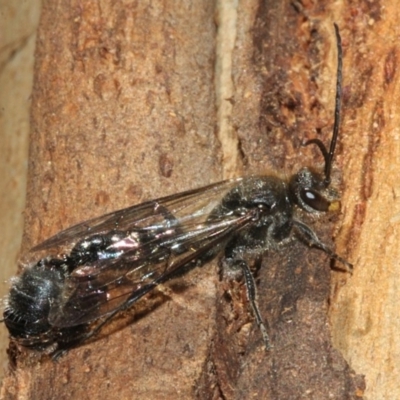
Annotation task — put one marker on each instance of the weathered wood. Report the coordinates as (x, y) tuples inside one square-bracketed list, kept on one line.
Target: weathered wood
[(364, 312), (18, 23), (124, 111), (284, 73)]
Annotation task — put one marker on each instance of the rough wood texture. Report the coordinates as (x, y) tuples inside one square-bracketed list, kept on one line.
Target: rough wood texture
[(124, 111), (364, 314), (284, 72), (18, 23)]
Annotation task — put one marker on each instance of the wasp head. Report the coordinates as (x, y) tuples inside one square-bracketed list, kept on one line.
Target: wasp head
[(309, 191)]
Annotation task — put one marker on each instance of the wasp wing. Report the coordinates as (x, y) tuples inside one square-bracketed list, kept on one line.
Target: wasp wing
[(180, 207), (96, 290), (162, 236)]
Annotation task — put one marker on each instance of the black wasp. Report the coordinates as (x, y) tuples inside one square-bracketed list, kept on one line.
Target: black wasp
[(114, 260)]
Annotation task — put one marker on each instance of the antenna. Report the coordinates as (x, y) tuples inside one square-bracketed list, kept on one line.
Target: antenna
[(328, 156)]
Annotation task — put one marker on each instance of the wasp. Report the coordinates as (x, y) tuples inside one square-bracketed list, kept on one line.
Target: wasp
[(110, 262)]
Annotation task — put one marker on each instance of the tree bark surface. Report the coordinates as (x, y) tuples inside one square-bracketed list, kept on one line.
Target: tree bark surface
[(125, 109)]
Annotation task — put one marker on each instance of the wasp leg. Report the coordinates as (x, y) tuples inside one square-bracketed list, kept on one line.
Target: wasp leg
[(307, 235), (251, 290)]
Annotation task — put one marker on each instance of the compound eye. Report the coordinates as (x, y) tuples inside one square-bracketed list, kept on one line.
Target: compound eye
[(314, 200)]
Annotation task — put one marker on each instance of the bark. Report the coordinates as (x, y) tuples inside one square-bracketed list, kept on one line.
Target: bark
[(123, 107), (18, 24), (124, 110), (364, 312)]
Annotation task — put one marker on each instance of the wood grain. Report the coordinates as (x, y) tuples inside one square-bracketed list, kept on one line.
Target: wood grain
[(124, 110)]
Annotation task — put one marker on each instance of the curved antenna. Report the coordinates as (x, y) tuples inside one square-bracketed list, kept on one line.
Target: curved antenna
[(328, 156)]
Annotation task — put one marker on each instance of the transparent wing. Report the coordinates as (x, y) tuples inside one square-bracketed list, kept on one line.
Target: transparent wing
[(164, 238), (179, 208), (93, 291)]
